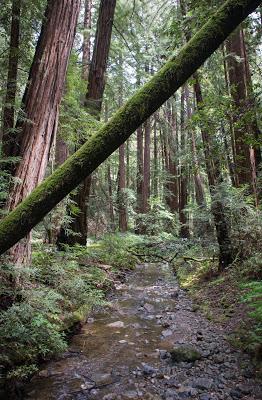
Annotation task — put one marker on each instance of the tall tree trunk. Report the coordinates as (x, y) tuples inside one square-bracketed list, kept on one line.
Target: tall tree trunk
[(86, 40), (139, 175), (135, 112), (8, 140), (214, 178), (184, 231), (155, 160), (41, 104), (110, 196), (147, 158), (252, 107), (93, 103), (121, 190), (238, 88)]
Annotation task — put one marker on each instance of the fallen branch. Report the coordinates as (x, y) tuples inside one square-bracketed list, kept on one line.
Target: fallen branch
[(185, 258)]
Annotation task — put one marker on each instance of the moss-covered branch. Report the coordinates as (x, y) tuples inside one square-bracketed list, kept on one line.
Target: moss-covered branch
[(144, 103)]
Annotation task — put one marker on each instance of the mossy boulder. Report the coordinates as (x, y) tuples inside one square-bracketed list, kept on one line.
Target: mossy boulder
[(185, 354)]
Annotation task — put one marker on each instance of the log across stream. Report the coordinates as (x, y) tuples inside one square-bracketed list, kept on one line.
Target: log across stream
[(126, 350)]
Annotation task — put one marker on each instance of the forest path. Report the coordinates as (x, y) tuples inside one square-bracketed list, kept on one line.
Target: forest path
[(123, 352)]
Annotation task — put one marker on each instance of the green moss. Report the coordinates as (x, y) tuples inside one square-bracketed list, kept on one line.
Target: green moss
[(143, 104)]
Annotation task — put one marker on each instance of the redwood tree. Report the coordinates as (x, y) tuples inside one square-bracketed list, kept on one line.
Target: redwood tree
[(93, 103), (134, 113), (41, 105), (11, 86)]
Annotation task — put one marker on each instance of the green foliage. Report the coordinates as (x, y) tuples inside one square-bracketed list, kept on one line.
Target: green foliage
[(254, 298), (158, 219), (59, 289)]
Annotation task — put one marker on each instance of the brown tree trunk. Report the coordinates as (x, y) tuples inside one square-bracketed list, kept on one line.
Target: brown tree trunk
[(214, 178), (146, 176), (8, 140), (93, 103), (238, 88), (86, 41), (41, 104), (184, 231), (155, 160), (252, 107), (121, 190), (110, 197), (139, 175)]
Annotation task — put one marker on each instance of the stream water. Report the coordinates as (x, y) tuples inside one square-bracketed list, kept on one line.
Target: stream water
[(122, 352)]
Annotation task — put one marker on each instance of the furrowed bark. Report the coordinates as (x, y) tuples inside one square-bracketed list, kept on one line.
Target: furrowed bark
[(143, 104)]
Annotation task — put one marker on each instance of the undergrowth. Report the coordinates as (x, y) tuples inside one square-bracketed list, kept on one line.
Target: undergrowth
[(58, 290)]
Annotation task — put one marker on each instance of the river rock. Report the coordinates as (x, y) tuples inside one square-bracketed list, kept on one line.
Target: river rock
[(166, 333), (149, 307), (102, 379), (204, 383), (148, 369), (185, 354), (117, 324), (171, 394)]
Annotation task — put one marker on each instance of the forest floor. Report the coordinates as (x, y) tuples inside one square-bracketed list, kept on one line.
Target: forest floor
[(150, 342)]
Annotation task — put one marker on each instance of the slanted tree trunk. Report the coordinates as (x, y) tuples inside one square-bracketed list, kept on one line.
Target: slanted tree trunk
[(8, 139), (136, 111), (93, 103), (41, 105)]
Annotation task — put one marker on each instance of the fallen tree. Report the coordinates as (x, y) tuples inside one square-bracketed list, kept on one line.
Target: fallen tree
[(136, 111)]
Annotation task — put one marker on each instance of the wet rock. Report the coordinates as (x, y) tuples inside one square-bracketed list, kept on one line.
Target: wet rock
[(110, 396), (117, 324), (244, 389), (88, 385), (185, 354), (166, 324), (174, 295), (102, 379), (171, 394), (44, 373), (173, 382), (149, 307), (236, 394), (205, 396), (130, 395), (166, 333), (203, 383), (149, 370), (163, 354)]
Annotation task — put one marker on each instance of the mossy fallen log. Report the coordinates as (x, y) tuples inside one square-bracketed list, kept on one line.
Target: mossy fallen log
[(143, 104)]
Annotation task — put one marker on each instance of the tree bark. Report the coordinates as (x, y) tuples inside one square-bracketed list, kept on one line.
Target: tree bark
[(41, 104), (238, 88), (121, 190), (146, 169), (86, 41), (136, 111), (8, 140), (183, 200)]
